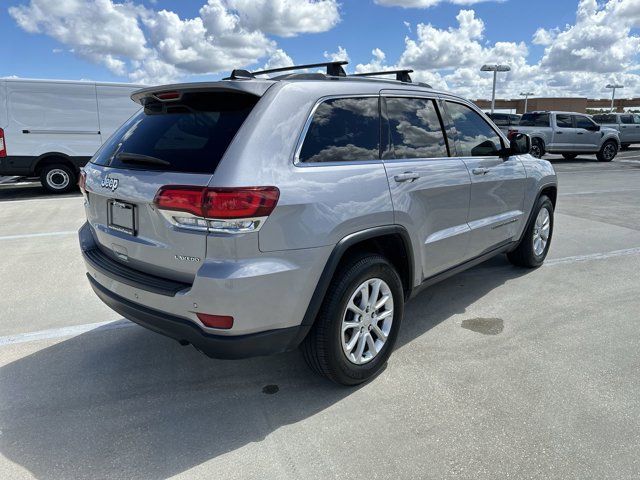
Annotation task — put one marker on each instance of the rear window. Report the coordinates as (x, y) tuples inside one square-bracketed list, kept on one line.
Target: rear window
[(500, 120), (189, 136), (343, 130), (535, 120)]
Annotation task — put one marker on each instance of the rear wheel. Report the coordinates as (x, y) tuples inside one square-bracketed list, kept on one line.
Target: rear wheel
[(569, 156), (358, 322), (537, 148), (533, 248), (58, 178), (608, 151)]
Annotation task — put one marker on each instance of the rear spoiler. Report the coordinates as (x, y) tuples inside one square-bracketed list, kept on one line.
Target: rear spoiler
[(175, 91)]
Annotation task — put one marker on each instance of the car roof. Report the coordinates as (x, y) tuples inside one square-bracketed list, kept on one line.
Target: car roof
[(320, 84)]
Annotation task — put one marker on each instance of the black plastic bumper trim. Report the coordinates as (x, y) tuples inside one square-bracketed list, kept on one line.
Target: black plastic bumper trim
[(129, 276), (217, 346)]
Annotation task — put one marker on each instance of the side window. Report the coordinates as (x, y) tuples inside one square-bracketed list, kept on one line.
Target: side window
[(501, 120), (583, 122), (564, 121), (415, 128), (636, 119), (626, 119), (343, 130), (475, 136)]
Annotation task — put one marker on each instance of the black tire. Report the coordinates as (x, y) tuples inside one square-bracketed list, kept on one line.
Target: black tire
[(323, 349), (58, 178), (537, 148), (608, 151), (524, 255), (569, 156)]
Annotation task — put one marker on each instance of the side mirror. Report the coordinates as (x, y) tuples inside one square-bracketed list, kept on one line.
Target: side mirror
[(520, 144), (595, 128)]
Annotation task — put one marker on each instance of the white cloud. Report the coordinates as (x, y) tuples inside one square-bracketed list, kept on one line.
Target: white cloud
[(287, 18), (427, 3), (340, 55), (159, 46), (278, 59)]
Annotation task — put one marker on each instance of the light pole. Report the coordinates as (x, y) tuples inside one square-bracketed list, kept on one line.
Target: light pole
[(495, 69), (526, 99), (613, 92)]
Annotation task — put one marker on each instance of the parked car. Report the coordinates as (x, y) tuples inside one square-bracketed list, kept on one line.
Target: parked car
[(50, 128), (627, 125), (569, 134), (248, 216), (505, 121)]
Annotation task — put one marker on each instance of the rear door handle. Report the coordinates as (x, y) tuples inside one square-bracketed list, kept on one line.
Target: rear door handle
[(406, 177), (580, 133), (559, 133), (480, 171)]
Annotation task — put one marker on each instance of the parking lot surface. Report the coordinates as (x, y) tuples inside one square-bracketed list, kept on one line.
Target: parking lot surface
[(499, 372)]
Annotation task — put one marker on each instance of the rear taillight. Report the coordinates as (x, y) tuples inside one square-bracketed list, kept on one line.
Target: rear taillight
[(3, 145), (231, 210)]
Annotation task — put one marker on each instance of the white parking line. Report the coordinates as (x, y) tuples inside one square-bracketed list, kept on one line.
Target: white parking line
[(117, 324), (592, 256), (35, 235), (64, 332), (595, 192)]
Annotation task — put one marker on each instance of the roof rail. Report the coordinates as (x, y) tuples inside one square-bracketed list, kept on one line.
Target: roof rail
[(334, 69), (401, 75)]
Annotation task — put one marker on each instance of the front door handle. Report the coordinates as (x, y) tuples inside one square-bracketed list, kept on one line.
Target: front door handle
[(580, 133), (480, 171), (406, 177)]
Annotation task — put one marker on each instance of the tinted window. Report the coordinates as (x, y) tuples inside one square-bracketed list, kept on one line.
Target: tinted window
[(415, 128), (564, 121), (500, 119), (475, 136), (514, 119), (636, 119), (604, 118), (535, 120), (343, 130), (186, 136), (583, 122), (626, 119)]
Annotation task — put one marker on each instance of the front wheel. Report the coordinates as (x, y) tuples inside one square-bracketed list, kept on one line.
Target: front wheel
[(358, 323), (608, 151), (534, 246), (537, 148), (58, 178)]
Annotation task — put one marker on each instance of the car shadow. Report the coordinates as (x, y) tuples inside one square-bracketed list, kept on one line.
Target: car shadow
[(132, 404)]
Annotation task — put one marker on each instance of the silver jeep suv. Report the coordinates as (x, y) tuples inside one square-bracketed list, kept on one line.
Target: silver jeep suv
[(249, 216)]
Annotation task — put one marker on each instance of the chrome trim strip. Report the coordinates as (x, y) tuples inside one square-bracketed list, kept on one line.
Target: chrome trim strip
[(497, 221), (448, 233)]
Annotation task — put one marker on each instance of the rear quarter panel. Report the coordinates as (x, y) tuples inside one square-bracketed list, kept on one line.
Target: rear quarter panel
[(319, 203)]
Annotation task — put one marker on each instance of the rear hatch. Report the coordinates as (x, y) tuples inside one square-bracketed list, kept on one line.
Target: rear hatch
[(178, 139)]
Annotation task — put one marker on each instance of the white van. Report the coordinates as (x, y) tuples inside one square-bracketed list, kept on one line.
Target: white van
[(51, 128)]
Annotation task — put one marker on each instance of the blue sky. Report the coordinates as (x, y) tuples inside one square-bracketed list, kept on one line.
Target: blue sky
[(37, 49)]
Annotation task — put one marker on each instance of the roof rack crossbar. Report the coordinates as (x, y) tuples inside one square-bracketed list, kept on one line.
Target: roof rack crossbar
[(401, 75), (333, 68)]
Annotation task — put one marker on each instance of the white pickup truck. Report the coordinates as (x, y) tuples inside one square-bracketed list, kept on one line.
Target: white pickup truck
[(568, 134), (627, 125)]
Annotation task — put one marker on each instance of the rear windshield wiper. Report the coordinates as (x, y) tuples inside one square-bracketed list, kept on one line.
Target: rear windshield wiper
[(127, 157)]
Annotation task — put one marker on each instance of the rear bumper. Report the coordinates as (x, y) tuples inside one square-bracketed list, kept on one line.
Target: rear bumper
[(184, 330)]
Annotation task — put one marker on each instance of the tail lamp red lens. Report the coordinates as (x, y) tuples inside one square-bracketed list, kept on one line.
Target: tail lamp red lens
[(215, 321), (3, 145), (219, 203), (167, 95)]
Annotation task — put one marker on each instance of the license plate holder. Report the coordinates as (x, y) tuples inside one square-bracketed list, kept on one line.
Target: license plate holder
[(121, 216)]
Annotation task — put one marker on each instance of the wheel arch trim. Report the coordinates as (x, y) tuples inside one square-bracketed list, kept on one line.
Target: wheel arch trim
[(337, 254)]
